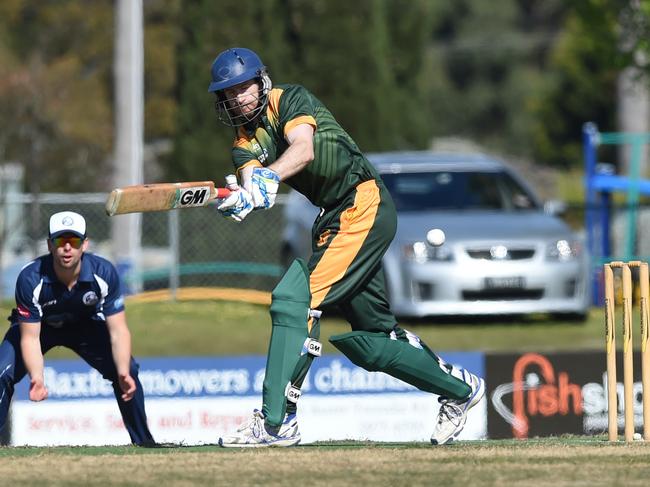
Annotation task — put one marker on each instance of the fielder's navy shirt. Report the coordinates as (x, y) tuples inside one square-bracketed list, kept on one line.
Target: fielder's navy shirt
[(40, 296)]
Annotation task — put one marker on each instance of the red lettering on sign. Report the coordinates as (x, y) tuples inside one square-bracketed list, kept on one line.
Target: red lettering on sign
[(220, 422), (176, 421), (60, 424), (553, 397)]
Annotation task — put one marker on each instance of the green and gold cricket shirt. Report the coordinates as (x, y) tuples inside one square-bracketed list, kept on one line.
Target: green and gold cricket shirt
[(338, 166)]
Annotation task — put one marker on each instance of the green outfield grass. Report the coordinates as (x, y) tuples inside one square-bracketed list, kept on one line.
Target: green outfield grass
[(554, 461), (229, 328)]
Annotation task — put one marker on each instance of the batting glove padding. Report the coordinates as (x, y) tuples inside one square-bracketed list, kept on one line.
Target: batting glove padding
[(265, 184), (237, 205)]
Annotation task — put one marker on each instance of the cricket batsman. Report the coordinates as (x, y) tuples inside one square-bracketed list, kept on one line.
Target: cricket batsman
[(284, 133)]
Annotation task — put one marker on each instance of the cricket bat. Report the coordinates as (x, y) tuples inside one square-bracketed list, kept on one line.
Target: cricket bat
[(162, 197)]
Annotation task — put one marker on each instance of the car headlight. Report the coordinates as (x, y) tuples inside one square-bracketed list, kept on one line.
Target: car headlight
[(422, 252), (563, 250)]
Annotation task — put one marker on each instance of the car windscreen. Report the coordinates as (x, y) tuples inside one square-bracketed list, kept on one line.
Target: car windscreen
[(457, 190)]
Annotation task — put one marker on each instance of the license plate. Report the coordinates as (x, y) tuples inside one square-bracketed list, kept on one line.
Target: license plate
[(504, 282)]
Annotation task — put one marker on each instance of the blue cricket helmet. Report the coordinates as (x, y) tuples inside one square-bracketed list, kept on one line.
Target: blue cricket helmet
[(232, 67)]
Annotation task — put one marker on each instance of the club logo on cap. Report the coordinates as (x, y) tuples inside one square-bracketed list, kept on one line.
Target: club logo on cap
[(67, 221)]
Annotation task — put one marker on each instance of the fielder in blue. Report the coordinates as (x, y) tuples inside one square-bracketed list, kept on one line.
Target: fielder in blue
[(73, 299)]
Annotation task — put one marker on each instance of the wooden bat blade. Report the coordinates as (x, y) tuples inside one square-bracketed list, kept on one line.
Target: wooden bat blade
[(162, 197)]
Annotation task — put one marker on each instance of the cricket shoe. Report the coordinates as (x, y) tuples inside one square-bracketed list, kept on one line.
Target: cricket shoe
[(253, 433), (453, 414)]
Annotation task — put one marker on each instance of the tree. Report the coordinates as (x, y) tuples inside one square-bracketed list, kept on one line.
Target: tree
[(487, 62), (161, 38), (586, 61), (343, 52), (202, 146), (64, 76), (54, 103), (410, 24), (366, 61)]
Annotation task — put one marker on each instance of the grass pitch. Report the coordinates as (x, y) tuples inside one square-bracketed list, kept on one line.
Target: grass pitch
[(557, 461)]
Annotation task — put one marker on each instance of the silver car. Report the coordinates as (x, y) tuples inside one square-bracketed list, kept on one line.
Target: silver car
[(504, 252)]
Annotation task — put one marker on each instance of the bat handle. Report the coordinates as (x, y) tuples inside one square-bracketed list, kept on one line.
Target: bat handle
[(223, 192)]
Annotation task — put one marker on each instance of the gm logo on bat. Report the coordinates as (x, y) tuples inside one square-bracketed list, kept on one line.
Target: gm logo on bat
[(190, 197)]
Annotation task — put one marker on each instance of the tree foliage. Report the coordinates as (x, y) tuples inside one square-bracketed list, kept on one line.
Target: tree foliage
[(488, 60), (201, 149), (54, 103), (364, 60), (161, 37), (56, 88), (599, 39), (519, 76)]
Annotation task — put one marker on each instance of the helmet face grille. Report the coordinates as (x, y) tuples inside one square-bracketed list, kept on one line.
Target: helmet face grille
[(229, 110)]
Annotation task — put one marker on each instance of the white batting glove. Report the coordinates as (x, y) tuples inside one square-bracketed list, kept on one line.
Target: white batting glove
[(264, 187), (231, 182), (237, 206)]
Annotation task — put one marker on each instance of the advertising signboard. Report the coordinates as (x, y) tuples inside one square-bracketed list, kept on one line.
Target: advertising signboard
[(544, 394), (194, 400)]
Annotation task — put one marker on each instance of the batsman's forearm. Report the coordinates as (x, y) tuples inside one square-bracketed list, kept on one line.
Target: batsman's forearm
[(297, 156)]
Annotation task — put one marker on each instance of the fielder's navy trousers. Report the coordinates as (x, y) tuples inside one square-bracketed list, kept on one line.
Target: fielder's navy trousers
[(91, 341)]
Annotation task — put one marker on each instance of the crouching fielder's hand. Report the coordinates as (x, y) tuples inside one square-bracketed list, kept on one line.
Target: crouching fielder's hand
[(127, 385), (264, 184), (37, 390), (237, 205)]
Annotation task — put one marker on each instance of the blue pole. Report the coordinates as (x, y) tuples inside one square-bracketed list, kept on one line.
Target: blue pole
[(605, 205), (589, 142)]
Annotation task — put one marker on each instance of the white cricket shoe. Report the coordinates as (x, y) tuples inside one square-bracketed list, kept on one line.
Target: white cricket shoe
[(253, 433), (453, 414)]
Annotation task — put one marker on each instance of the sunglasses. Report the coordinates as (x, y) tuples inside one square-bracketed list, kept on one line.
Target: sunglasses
[(75, 242)]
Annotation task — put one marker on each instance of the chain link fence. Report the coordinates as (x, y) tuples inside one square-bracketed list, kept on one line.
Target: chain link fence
[(182, 248)]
